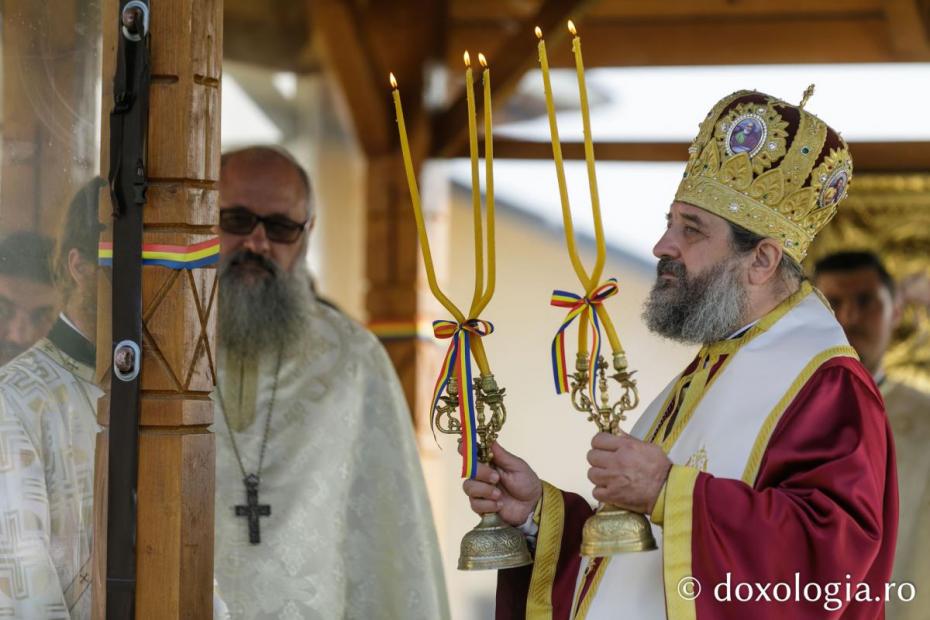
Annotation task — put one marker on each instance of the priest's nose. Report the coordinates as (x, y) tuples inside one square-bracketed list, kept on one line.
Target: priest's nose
[(257, 241)]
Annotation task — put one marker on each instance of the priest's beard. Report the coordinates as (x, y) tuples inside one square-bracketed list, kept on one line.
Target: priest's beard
[(261, 307), (697, 309)]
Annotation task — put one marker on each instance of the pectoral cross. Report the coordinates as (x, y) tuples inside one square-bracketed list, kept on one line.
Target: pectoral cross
[(252, 509)]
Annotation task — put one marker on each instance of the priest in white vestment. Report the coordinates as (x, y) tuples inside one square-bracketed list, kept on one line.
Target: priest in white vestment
[(48, 428), (321, 506), (868, 305)]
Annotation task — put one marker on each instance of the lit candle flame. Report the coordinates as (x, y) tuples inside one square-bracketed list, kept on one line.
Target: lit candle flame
[(538, 32), (467, 59), (571, 28), (393, 81), (482, 60)]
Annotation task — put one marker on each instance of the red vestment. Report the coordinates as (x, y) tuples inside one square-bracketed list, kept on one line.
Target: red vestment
[(823, 506)]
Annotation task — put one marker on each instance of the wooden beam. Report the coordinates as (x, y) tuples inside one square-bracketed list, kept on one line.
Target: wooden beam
[(666, 42), (267, 43), (486, 11), (908, 29), (606, 151), (867, 156), (450, 127), (351, 62)]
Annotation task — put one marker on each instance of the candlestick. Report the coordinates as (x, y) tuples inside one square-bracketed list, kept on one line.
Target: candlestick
[(492, 544), (611, 530)]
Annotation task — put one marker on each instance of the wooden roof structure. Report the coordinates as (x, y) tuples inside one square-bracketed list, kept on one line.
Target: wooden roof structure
[(360, 41)]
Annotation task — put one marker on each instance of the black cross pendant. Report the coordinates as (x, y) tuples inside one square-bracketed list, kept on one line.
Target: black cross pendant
[(252, 509)]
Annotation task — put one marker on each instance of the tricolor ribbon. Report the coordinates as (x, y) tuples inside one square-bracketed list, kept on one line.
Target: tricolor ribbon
[(170, 256), (457, 363), (576, 306)]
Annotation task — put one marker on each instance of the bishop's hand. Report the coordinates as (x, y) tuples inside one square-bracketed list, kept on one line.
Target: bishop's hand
[(627, 472), (509, 487)]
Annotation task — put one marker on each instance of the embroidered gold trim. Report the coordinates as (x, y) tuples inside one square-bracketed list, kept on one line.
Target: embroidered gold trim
[(548, 547), (768, 427), (676, 543), (582, 606)]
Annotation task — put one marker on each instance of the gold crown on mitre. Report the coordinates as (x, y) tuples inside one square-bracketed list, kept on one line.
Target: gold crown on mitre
[(768, 166)]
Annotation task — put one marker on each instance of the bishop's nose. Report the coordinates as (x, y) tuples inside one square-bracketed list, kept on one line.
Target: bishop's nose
[(665, 247)]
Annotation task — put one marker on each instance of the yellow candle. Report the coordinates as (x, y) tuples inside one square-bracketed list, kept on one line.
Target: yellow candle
[(475, 187), (583, 333), (589, 160), (612, 337), (477, 352), (489, 184), (559, 167), (595, 198), (417, 211)]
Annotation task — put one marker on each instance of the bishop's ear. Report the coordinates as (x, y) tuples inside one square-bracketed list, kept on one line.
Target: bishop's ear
[(766, 257)]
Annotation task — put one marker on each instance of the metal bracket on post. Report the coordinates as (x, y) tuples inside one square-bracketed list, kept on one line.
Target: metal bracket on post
[(127, 360), (135, 13)]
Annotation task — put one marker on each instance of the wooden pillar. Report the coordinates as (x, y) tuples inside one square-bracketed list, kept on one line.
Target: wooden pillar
[(50, 55), (176, 451)]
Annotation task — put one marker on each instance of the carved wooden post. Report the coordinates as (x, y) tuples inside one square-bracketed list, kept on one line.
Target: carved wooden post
[(176, 451)]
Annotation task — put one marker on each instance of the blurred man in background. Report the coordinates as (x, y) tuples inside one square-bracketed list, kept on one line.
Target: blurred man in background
[(27, 298), (868, 306), (321, 506), (48, 428)]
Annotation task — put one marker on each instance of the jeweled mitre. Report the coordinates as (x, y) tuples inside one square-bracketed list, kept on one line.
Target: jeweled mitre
[(768, 166)]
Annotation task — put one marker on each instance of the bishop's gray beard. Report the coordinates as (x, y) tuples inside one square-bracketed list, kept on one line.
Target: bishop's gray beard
[(699, 309), (261, 306)]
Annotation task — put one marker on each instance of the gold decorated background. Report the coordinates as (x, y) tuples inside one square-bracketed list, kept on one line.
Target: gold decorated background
[(890, 215)]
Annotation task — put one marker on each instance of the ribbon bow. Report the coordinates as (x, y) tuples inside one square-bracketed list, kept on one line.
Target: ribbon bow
[(457, 363), (576, 306)]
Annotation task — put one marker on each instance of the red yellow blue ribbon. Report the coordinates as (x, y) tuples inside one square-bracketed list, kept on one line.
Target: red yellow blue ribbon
[(170, 256), (457, 363), (577, 305)]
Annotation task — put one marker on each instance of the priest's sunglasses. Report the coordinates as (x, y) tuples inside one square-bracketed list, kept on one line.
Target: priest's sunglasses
[(278, 228)]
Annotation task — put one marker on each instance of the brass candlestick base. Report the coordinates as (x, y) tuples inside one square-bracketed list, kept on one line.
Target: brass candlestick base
[(493, 545), (611, 530), (614, 530)]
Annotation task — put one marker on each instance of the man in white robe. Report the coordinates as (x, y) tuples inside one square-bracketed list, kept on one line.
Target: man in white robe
[(337, 522), (868, 305), (48, 429)]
